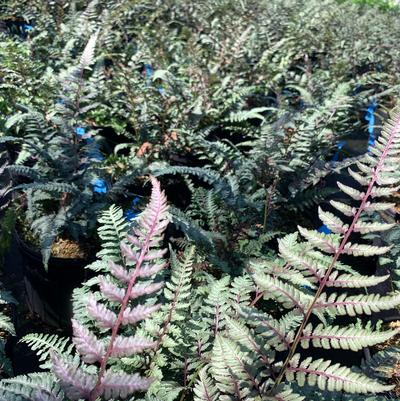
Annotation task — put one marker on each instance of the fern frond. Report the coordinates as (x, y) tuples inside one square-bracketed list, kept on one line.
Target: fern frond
[(24, 171), (112, 232), (246, 115), (354, 280), (352, 305), (376, 169), (27, 388), (141, 259), (278, 334), (6, 324), (231, 369), (337, 337), (242, 335), (204, 389), (87, 56), (44, 344), (177, 289), (286, 294), (332, 377), (192, 230), (286, 394), (56, 187)]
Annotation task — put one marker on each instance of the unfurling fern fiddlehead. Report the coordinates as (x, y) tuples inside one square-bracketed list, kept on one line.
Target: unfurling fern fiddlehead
[(144, 255), (377, 173)]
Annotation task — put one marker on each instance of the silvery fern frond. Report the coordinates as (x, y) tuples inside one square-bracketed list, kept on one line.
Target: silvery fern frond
[(112, 232), (87, 56), (34, 386), (205, 389), (377, 171), (311, 263), (117, 305)]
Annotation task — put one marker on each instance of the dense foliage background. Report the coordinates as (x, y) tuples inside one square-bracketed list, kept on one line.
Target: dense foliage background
[(247, 112)]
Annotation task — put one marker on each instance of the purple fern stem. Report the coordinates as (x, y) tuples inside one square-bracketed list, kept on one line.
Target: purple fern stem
[(393, 132), (155, 227)]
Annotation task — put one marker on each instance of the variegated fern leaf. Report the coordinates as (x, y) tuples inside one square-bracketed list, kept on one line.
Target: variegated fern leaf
[(114, 306), (317, 259), (63, 158), (309, 282)]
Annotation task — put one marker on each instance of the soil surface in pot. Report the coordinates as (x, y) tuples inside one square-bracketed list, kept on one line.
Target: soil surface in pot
[(66, 248), (61, 248)]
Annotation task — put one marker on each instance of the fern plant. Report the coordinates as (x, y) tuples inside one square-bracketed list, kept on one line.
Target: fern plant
[(61, 160), (316, 260), (262, 180), (21, 80), (252, 115), (243, 102), (229, 344), (7, 329), (142, 260)]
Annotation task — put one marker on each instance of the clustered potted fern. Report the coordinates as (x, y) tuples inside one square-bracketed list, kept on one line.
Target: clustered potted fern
[(60, 160), (257, 279), (226, 344), (64, 190)]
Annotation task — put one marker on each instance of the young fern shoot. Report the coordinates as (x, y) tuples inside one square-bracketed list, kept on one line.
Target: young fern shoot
[(377, 172), (120, 290)]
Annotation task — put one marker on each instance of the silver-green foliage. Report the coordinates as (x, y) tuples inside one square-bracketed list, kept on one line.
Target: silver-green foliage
[(296, 284)]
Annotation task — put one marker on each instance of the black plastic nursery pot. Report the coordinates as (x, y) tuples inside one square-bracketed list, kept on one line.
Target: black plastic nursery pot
[(49, 293)]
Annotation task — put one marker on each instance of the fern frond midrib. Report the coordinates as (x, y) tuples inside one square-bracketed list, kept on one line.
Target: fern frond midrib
[(394, 131), (124, 304)]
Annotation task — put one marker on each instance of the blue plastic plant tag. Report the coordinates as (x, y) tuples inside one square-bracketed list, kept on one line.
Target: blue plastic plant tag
[(99, 186), (324, 229), (80, 131), (149, 71), (370, 117), (132, 213), (340, 145)]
